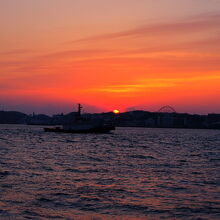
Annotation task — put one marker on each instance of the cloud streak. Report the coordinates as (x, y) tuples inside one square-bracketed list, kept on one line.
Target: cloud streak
[(149, 84), (76, 53), (194, 24), (16, 52)]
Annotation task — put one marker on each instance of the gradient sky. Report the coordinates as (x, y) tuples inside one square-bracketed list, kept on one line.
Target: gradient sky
[(110, 54)]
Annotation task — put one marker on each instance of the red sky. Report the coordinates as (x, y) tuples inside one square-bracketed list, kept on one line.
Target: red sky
[(110, 55)]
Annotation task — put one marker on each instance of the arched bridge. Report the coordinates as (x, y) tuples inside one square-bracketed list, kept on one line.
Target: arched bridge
[(167, 109)]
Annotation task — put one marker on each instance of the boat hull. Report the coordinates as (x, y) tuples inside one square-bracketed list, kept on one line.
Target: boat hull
[(90, 130)]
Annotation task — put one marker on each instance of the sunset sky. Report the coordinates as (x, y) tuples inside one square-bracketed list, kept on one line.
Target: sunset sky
[(110, 54)]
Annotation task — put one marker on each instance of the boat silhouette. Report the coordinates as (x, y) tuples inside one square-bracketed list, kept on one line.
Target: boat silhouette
[(80, 124)]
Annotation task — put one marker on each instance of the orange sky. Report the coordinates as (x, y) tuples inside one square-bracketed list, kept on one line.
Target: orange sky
[(110, 54)]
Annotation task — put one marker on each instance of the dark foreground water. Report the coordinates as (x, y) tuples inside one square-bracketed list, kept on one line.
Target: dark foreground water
[(133, 173)]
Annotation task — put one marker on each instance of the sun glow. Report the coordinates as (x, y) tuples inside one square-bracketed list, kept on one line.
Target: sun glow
[(116, 111)]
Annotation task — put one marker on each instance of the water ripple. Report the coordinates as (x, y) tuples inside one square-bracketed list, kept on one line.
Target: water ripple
[(132, 173)]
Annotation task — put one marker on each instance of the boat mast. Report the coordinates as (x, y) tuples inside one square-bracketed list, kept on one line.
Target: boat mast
[(79, 109)]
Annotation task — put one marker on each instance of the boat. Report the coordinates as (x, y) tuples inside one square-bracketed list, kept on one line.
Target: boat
[(80, 124)]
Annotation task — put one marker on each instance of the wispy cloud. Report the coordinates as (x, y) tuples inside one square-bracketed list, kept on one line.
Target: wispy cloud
[(185, 54), (208, 44), (194, 24), (48, 60), (16, 52), (149, 84), (76, 53)]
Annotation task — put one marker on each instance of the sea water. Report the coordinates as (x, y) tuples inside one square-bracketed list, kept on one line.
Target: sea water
[(131, 173)]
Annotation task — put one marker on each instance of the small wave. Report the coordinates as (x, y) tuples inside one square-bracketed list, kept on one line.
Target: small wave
[(70, 141), (89, 199), (96, 159), (201, 210), (43, 199), (214, 160), (172, 188), (60, 194), (208, 182), (5, 214), (86, 170), (7, 186), (4, 173), (30, 213), (196, 173), (142, 157), (46, 168)]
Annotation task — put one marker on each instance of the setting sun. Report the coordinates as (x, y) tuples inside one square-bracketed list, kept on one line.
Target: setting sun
[(116, 111)]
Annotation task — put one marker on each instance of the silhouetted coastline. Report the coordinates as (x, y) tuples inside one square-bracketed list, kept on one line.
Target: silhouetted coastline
[(126, 119)]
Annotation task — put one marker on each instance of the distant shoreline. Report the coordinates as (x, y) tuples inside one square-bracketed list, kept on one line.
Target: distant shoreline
[(126, 119)]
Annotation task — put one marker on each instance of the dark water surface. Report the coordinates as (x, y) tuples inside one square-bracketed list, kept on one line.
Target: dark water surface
[(132, 173)]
